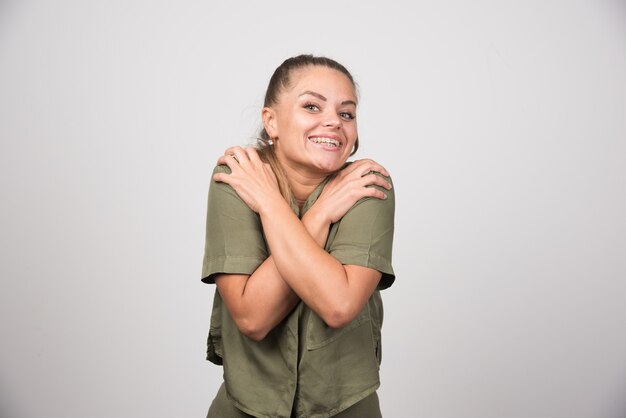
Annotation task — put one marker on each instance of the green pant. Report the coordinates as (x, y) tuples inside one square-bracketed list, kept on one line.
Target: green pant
[(365, 408)]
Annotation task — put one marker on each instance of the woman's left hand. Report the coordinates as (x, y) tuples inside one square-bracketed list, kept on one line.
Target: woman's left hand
[(253, 180), (349, 185)]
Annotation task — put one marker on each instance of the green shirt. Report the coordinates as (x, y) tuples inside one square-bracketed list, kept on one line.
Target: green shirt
[(302, 363)]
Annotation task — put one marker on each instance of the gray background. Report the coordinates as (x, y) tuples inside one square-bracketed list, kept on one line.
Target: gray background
[(502, 123)]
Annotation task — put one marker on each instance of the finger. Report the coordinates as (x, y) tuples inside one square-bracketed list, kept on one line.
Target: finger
[(374, 166), (224, 158), (363, 167), (253, 155), (374, 179), (230, 161), (233, 149), (255, 160), (220, 177), (241, 156), (239, 153), (351, 168), (374, 192)]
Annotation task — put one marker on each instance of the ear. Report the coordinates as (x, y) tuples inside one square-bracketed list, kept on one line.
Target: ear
[(269, 121)]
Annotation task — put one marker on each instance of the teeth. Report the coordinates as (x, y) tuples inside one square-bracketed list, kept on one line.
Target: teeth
[(323, 140)]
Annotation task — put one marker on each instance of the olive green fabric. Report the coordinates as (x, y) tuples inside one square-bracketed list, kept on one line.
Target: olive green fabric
[(222, 407), (302, 365)]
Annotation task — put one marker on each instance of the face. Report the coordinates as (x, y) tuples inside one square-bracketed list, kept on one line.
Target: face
[(314, 121)]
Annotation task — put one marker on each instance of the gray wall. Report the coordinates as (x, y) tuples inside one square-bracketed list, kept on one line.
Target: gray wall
[(503, 125)]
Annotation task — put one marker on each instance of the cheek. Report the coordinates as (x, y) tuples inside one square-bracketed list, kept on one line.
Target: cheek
[(352, 132), (299, 125)]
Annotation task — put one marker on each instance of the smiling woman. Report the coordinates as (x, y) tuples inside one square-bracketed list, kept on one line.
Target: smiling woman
[(298, 243), (313, 124)]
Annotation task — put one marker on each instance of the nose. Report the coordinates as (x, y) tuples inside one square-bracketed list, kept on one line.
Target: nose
[(332, 121)]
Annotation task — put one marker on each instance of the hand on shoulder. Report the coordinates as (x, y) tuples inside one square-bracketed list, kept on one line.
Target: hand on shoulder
[(252, 179), (351, 184)]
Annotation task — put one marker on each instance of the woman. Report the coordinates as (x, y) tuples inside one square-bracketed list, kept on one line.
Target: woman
[(299, 244)]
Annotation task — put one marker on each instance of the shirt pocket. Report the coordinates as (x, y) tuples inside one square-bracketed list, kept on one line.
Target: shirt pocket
[(319, 335)]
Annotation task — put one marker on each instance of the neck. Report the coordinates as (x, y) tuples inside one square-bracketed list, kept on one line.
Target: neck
[(302, 183)]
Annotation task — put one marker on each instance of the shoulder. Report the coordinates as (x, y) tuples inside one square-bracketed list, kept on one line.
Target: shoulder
[(377, 173), (373, 204), (223, 194)]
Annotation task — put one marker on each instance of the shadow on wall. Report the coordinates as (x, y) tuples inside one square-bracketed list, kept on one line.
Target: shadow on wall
[(6, 6), (618, 407), (621, 412), (7, 408)]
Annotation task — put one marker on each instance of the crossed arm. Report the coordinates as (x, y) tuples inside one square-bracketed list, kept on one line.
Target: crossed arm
[(258, 302)]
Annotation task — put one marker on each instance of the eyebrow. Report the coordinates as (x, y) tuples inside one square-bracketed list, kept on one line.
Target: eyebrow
[(319, 96)]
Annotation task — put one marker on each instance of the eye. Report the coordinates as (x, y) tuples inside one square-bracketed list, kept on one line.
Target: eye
[(347, 115), (312, 107)]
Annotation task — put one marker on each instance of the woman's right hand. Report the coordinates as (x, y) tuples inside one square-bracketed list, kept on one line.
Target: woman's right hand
[(252, 179), (348, 186)]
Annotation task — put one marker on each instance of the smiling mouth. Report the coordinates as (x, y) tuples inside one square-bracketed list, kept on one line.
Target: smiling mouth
[(324, 140)]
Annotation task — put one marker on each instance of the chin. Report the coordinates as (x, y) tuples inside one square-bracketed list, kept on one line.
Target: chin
[(330, 167)]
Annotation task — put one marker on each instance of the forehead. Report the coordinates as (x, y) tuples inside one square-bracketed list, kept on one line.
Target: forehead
[(329, 82)]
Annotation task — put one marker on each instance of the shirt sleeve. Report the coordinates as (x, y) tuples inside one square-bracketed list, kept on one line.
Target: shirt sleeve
[(234, 238), (365, 236)]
